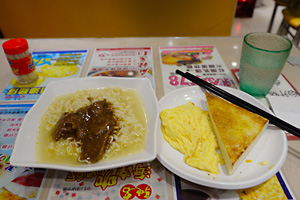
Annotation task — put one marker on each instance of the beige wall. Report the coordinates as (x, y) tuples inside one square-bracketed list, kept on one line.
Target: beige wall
[(115, 18)]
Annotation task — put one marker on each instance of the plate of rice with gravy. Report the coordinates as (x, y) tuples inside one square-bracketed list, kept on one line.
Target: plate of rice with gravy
[(89, 124)]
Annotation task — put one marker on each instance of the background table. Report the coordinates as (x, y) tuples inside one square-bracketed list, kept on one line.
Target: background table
[(228, 47)]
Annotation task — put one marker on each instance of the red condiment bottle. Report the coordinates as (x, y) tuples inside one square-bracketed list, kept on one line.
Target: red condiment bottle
[(20, 60)]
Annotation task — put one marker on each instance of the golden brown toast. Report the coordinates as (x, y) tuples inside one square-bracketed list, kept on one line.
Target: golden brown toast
[(237, 130)]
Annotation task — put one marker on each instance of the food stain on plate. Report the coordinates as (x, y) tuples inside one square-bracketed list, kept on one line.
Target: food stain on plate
[(264, 163)]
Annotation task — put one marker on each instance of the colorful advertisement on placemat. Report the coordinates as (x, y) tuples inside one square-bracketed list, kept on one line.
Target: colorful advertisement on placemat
[(122, 62), (202, 61), (15, 182), (274, 188), (51, 66), (139, 181)]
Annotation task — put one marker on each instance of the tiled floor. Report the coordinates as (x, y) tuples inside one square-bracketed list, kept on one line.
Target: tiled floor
[(259, 21)]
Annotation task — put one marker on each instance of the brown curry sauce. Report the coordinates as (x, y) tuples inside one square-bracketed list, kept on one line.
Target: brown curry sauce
[(91, 125)]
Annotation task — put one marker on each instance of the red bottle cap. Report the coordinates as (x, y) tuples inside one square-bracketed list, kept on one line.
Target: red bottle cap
[(15, 46)]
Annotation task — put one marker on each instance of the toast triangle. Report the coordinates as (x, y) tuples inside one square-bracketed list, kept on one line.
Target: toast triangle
[(237, 130)]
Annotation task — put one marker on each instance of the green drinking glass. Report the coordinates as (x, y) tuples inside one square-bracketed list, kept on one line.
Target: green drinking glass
[(263, 57)]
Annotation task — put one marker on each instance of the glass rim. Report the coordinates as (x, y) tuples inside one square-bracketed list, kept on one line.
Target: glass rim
[(271, 51)]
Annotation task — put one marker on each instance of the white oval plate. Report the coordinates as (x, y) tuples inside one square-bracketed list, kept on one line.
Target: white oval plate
[(271, 147)]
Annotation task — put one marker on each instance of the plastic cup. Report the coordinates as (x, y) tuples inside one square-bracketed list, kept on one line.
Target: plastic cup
[(262, 60)]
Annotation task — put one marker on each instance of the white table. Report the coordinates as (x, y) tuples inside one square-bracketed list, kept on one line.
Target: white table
[(228, 47)]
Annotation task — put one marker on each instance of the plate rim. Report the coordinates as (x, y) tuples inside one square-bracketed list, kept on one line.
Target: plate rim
[(210, 183)]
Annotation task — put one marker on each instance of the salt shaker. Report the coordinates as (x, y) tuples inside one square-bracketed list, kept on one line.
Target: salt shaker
[(20, 60)]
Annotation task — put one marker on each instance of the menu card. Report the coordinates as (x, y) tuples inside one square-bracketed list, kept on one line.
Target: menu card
[(287, 109), (51, 66), (282, 86), (139, 181), (17, 182), (202, 61), (122, 62)]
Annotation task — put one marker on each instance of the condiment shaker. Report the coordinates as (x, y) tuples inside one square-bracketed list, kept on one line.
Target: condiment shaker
[(20, 60)]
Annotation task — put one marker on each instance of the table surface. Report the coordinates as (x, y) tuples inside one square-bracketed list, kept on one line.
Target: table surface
[(228, 47)]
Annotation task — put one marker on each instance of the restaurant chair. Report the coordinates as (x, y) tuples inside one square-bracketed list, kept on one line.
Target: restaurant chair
[(285, 3), (290, 25)]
